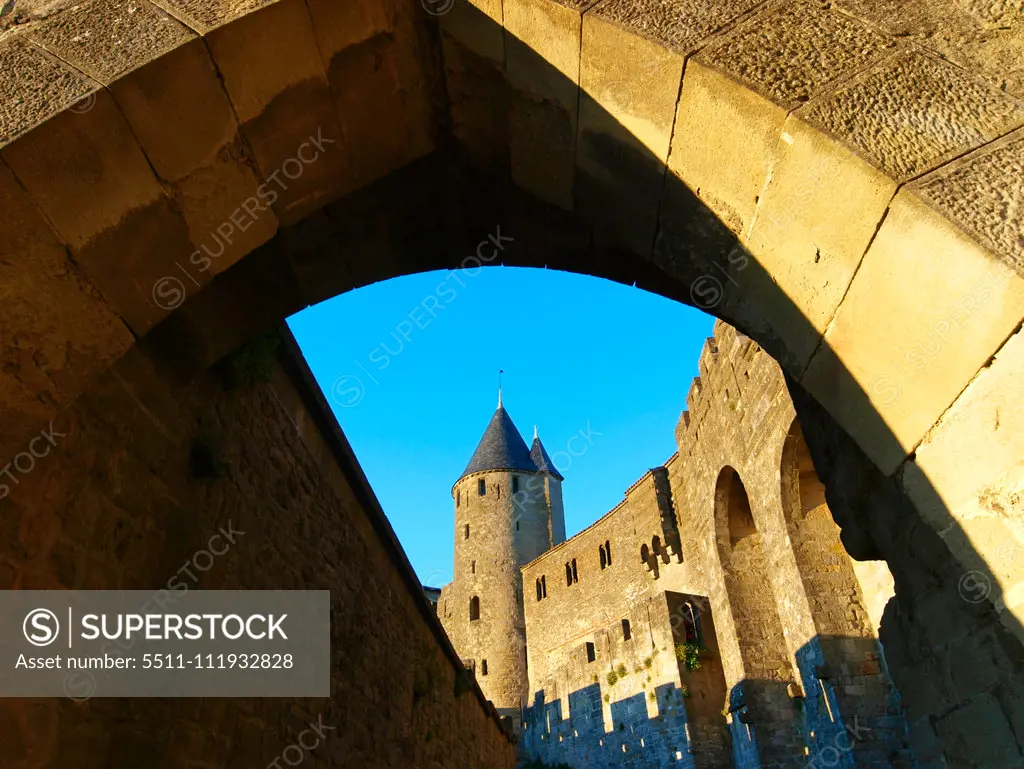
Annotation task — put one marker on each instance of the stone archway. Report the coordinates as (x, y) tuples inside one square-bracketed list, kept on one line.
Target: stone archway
[(328, 164), (761, 703)]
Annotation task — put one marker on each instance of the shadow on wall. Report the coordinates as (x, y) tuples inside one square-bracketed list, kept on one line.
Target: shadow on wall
[(668, 728), (424, 217)]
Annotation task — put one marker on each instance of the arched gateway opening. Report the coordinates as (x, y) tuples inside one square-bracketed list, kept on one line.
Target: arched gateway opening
[(765, 720), (164, 206)]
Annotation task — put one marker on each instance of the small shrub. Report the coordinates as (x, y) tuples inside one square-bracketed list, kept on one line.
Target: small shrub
[(652, 696), (648, 662), (612, 677), (621, 670), (684, 690), (607, 698), (689, 654)]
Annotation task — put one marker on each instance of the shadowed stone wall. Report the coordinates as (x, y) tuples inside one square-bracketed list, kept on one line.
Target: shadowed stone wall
[(130, 497)]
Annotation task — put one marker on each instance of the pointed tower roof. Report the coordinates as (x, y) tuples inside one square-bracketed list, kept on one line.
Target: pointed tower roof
[(501, 448), (540, 457)]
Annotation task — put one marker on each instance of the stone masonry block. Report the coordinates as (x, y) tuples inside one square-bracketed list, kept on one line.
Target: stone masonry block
[(738, 91), (887, 385), (379, 88), (273, 74), (981, 513), (37, 86), (629, 90), (476, 24), (92, 181), (810, 253), (107, 39), (913, 112), (543, 52), (42, 291), (171, 95)]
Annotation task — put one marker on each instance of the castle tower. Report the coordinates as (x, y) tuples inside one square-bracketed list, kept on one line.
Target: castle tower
[(508, 511)]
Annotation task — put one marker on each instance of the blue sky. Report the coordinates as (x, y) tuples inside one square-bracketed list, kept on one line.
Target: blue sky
[(410, 368)]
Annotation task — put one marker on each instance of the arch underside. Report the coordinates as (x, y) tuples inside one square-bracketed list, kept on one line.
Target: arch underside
[(177, 179)]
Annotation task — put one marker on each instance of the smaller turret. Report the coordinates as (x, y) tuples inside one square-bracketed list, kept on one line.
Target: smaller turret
[(550, 484)]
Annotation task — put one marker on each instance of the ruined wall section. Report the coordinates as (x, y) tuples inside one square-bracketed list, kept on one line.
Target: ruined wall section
[(739, 416)]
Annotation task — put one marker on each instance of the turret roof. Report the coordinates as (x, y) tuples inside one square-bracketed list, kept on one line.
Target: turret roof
[(501, 448), (540, 457)]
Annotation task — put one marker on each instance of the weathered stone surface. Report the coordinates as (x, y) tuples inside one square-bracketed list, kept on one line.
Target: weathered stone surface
[(476, 24), (207, 15), (274, 76), (983, 194), (888, 383), (914, 112), (629, 88), (107, 38), (980, 518), (41, 291), (680, 25), (789, 52), (283, 483), (36, 86), (810, 253), (984, 36)]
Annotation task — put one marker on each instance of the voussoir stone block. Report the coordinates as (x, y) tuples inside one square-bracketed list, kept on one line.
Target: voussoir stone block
[(848, 150), (273, 74), (58, 332), (981, 516), (379, 83), (739, 89), (476, 24), (162, 78), (629, 86), (91, 179), (888, 383), (543, 66)]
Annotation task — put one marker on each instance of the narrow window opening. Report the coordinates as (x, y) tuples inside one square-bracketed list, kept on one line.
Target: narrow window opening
[(473, 567), (498, 489), (517, 525), (474, 608), (540, 593), (481, 487), (575, 576), (458, 497), (544, 586), (604, 559), (608, 551), (591, 652), (483, 667), (626, 632), (515, 483), (467, 531), (568, 575)]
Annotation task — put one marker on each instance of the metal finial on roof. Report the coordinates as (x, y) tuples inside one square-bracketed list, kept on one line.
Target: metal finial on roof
[(535, 436), (500, 372)]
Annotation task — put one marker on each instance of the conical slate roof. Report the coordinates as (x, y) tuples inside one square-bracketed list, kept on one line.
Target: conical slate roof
[(501, 448), (540, 457)]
